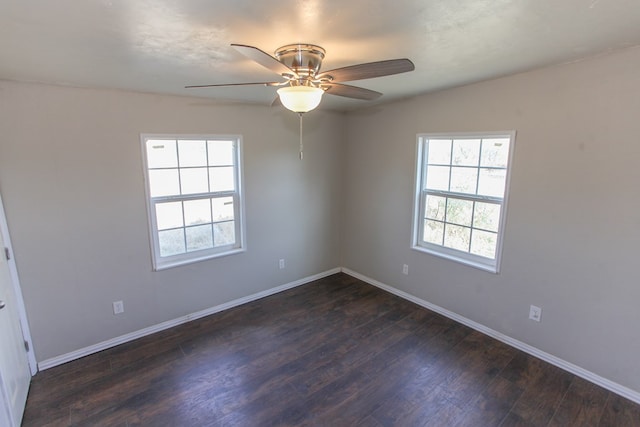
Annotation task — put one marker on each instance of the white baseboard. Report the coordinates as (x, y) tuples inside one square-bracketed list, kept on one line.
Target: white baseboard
[(64, 358), (563, 364)]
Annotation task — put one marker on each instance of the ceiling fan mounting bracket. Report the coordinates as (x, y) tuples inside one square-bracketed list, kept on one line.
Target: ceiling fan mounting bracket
[(305, 59)]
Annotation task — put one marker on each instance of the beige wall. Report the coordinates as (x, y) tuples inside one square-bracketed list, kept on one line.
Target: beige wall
[(572, 238), (72, 181)]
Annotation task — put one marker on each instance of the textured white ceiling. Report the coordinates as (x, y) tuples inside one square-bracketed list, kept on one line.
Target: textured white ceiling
[(160, 46)]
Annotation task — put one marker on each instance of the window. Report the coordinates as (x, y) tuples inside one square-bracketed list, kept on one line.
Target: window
[(461, 192), (194, 197)]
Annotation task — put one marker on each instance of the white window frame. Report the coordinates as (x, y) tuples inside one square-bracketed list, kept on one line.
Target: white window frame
[(420, 193), (161, 263)]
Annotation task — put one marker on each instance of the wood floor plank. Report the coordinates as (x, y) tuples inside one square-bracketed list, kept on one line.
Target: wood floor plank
[(419, 390), (434, 409), (368, 422), (106, 393), (480, 361), (343, 390), (49, 416), (334, 352), (453, 382), (390, 371), (491, 406), (620, 412), (338, 364), (582, 405), (543, 393), (65, 383)]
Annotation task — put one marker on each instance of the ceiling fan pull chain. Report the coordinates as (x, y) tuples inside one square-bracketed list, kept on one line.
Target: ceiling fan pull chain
[(301, 146)]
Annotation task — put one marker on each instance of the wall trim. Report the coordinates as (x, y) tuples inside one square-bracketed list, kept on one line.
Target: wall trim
[(77, 354), (560, 363)]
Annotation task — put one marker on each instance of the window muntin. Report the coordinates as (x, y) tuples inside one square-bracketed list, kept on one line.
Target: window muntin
[(194, 197), (461, 191)]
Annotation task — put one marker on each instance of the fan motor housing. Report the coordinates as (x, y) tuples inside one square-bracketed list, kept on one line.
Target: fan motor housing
[(304, 59)]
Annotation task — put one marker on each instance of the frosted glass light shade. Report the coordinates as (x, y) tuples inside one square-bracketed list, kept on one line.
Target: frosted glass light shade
[(300, 99)]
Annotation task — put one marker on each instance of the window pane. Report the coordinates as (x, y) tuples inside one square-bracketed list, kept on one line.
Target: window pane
[(484, 244), (224, 233), (192, 153), (439, 152), (466, 152), (434, 207), (194, 181), (221, 179), (457, 237), (491, 182), (437, 178), (222, 208), (486, 216), (460, 204), (433, 232), (197, 212), (169, 215), (495, 152), (199, 237), (464, 180), (161, 154), (220, 153), (164, 182), (459, 211), (171, 242), (193, 185)]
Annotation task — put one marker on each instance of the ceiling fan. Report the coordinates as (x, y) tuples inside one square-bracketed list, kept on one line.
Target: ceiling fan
[(304, 84)]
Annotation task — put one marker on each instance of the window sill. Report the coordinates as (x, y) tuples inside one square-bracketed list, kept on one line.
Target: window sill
[(177, 263), (490, 268)]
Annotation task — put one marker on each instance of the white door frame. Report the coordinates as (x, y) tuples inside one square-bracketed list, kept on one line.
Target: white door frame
[(13, 271)]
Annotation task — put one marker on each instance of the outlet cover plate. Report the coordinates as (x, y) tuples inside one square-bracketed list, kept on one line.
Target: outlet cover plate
[(118, 307), (535, 313)]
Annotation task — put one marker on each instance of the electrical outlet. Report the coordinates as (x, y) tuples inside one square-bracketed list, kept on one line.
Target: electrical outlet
[(281, 264), (118, 307), (405, 269), (535, 313)]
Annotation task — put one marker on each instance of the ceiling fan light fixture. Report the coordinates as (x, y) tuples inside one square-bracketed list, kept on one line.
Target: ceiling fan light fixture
[(300, 99)]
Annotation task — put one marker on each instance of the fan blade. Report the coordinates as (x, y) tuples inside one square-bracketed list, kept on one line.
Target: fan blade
[(263, 58), (351, 91), (276, 102), (368, 70), (237, 84)]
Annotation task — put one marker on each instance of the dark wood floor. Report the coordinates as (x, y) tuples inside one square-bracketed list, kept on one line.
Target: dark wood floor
[(335, 352)]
